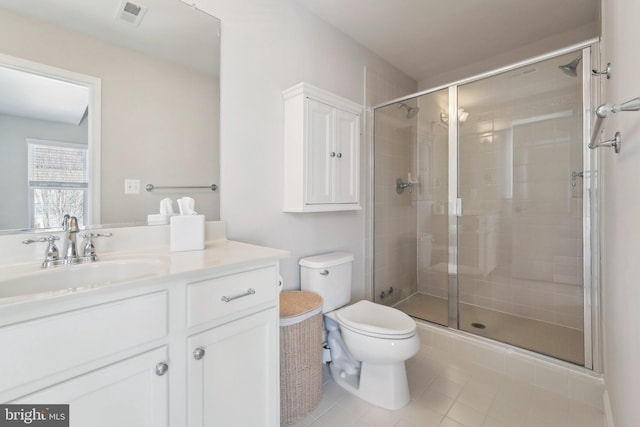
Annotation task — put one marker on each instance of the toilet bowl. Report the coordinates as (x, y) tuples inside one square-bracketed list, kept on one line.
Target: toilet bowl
[(381, 351), (369, 343)]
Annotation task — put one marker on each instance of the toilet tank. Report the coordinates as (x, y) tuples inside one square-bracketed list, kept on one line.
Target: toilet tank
[(328, 275)]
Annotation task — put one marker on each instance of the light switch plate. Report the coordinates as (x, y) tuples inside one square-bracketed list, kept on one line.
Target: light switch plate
[(131, 186)]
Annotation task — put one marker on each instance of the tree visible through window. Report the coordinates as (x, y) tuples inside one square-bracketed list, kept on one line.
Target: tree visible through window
[(58, 181)]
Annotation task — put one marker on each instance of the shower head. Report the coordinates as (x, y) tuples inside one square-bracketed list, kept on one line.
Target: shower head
[(411, 111), (571, 68)]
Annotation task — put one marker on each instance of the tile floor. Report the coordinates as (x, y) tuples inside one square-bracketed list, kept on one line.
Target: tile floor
[(447, 393)]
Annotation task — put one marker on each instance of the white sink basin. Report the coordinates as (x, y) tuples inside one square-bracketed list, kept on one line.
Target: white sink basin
[(72, 278)]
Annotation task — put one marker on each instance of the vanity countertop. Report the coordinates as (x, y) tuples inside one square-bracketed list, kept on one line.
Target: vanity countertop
[(219, 257)]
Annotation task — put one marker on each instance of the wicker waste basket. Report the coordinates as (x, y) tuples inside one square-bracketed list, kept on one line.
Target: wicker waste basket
[(300, 354)]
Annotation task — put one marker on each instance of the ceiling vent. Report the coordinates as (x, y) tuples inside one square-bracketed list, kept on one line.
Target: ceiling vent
[(130, 13)]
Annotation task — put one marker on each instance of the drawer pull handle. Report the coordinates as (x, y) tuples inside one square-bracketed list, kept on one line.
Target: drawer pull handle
[(161, 369), (324, 273), (250, 291)]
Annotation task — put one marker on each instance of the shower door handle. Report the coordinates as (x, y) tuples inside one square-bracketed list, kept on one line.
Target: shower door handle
[(459, 207)]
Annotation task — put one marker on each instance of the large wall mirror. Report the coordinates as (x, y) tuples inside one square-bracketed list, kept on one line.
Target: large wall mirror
[(96, 94)]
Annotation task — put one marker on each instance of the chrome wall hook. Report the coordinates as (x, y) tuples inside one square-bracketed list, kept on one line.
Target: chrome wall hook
[(606, 72)]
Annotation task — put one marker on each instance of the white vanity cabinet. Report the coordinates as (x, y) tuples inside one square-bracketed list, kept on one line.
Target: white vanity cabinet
[(196, 346), (321, 151), (233, 366), (131, 393), (233, 374), (106, 361)]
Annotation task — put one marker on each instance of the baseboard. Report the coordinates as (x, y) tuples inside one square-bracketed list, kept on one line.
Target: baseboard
[(608, 416)]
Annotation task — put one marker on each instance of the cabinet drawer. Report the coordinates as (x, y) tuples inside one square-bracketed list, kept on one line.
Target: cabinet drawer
[(49, 345), (222, 296)]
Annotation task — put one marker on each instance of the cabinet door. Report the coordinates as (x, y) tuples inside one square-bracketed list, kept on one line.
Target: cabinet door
[(129, 393), (233, 374), (320, 134), (347, 157)]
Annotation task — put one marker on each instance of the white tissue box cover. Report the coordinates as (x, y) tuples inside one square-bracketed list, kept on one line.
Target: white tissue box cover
[(186, 233), (157, 219)]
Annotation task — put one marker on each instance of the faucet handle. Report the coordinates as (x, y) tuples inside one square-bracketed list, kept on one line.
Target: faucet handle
[(94, 235), (49, 239), (89, 248), (51, 254)]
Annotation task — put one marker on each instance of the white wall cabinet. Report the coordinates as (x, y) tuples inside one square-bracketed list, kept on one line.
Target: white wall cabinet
[(321, 151)]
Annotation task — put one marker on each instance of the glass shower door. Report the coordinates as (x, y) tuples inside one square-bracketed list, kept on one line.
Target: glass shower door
[(520, 247), (410, 206)]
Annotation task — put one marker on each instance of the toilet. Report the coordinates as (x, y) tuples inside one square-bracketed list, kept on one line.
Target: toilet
[(368, 342)]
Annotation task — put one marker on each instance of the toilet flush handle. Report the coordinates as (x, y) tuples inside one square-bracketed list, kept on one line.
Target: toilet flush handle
[(324, 272)]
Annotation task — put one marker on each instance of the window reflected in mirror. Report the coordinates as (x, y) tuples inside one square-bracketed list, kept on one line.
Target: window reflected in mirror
[(58, 181)]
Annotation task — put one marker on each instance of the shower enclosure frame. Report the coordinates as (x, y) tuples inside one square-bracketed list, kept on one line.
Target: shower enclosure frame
[(591, 188)]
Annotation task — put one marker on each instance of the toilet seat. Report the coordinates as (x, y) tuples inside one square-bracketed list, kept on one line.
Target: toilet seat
[(376, 320)]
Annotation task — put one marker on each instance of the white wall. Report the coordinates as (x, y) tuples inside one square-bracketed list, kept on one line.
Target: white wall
[(621, 222), (268, 46)]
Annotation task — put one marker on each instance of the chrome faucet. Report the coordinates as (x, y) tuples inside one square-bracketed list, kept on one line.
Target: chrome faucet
[(70, 228), (69, 255)]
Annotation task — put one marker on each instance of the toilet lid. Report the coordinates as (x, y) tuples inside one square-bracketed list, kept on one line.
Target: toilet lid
[(376, 320)]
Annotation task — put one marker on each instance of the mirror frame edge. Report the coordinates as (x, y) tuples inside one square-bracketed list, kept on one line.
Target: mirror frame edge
[(94, 121)]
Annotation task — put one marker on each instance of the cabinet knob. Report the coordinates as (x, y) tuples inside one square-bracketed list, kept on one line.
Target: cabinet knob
[(339, 155), (161, 369), (332, 154), (198, 353)]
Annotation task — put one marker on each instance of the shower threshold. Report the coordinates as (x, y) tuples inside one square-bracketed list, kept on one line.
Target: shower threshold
[(542, 337)]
